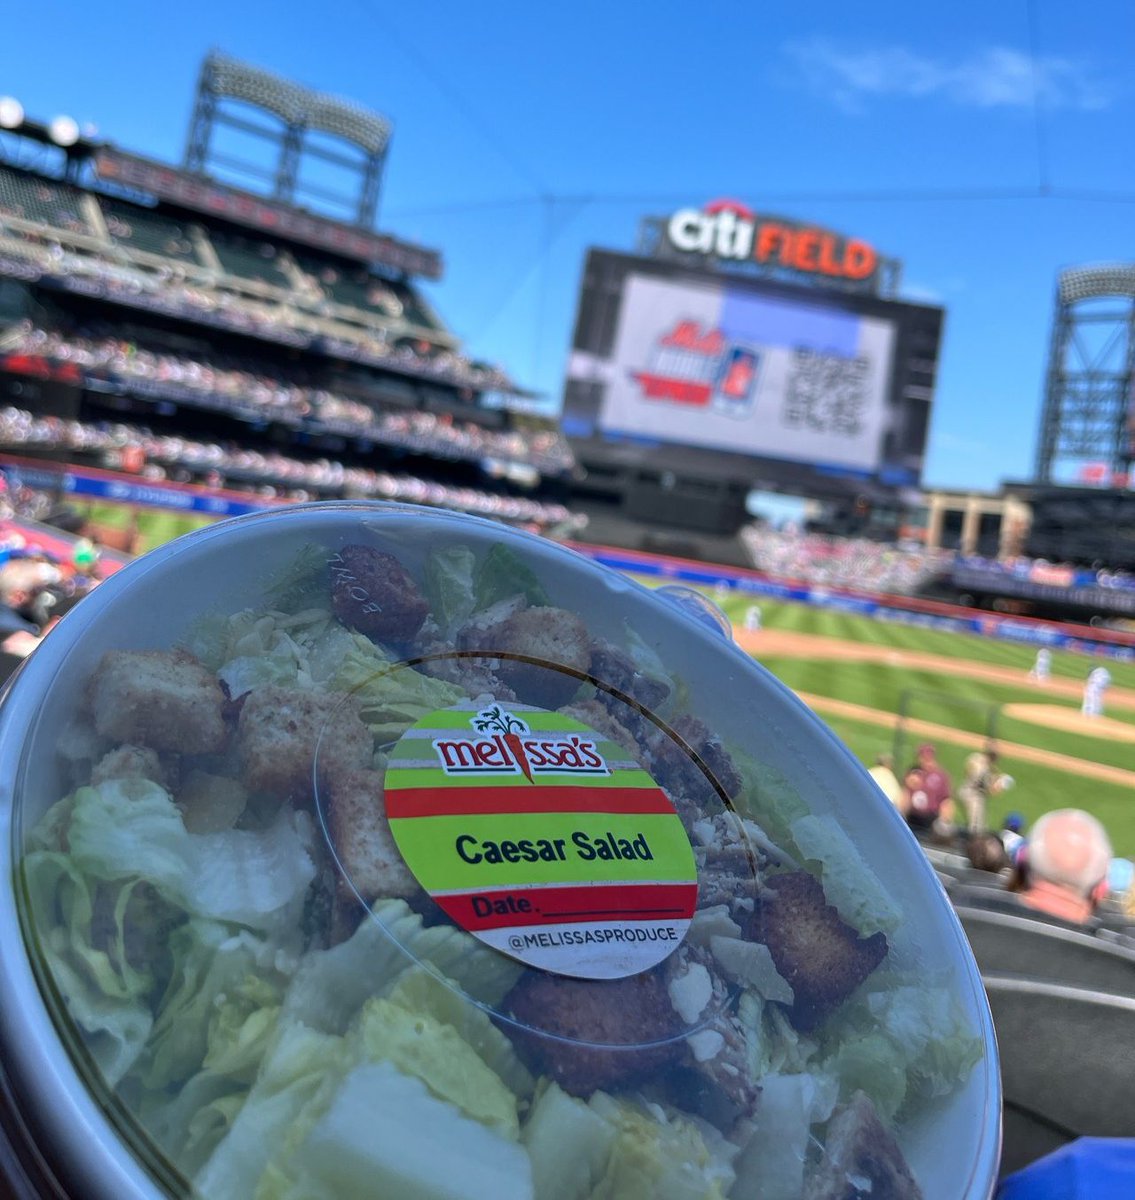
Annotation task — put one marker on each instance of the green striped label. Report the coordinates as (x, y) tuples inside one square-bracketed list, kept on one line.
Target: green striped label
[(542, 838)]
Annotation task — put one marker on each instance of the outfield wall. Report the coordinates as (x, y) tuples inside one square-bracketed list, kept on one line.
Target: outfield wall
[(901, 610)]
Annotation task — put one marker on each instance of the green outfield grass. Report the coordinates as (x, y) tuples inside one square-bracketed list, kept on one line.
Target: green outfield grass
[(801, 618), (880, 686), (154, 526)]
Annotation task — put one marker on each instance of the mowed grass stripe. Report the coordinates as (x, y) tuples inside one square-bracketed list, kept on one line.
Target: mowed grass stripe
[(880, 686), (804, 618)]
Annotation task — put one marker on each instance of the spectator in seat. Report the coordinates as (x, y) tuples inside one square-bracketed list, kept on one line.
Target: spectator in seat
[(1068, 856), (930, 806), (883, 773), (986, 853)]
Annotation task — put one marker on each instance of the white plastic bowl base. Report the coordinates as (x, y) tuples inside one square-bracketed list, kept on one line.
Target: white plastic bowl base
[(953, 1147)]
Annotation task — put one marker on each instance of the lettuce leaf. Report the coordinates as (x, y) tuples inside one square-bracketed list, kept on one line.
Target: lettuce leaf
[(449, 585), (214, 990), (419, 991), (381, 1137), (849, 883), (421, 1046), (331, 986), (902, 1039), (657, 1156), (297, 1080), (391, 697), (107, 995), (569, 1145), (503, 574), (771, 1163)]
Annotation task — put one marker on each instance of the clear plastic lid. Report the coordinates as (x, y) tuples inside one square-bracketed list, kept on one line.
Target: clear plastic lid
[(365, 851)]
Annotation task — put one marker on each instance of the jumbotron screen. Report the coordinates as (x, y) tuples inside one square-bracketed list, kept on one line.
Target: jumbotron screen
[(747, 378)]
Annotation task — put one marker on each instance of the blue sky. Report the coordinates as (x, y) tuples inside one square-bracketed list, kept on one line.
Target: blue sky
[(525, 133)]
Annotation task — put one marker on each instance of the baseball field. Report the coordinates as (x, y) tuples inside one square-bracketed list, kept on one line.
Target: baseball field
[(858, 674)]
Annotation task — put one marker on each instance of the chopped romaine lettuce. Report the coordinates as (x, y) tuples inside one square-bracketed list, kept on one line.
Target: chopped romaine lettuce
[(502, 574), (569, 1145), (849, 884), (419, 991), (210, 964), (386, 1135), (331, 986), (391, 697), (297, 1080), (449, 585), (107, 995), (771, 1163), (436, 1054), (657, 1156), (126, 828)]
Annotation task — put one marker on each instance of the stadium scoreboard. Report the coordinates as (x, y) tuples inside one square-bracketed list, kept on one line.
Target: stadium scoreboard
[(819, 387)]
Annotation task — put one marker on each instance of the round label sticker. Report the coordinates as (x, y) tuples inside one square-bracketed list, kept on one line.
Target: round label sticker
[(542, 838)]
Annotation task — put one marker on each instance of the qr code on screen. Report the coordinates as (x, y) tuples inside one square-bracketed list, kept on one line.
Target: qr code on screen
[(826, 393)]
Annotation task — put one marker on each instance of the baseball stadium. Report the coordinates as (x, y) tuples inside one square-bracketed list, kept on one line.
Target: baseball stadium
[(743, 421)]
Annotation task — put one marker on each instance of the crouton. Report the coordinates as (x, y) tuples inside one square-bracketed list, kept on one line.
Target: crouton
[(549, 635), (594, 1033), (375, 594), (165, 700), (130, 762), (595, 715), (822, 958), (361, 837), (278, 732), (861, 1159)]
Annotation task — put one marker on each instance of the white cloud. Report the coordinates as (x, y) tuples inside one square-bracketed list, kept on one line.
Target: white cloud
[(993, 77)]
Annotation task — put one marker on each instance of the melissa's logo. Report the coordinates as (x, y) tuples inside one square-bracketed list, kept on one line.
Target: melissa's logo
[(508, 747)]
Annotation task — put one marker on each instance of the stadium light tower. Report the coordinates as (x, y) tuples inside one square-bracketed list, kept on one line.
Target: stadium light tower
[(1089, 402), (298, 126)]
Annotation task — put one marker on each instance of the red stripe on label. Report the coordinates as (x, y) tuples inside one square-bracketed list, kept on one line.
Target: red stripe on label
[(540, 798), (533, 907)]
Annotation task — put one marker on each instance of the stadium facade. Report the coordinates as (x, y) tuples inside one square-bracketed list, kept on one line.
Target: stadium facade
[(172, 326)]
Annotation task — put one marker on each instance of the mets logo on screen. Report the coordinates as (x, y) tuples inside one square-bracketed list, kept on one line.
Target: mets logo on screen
[(508, 747), (699, 367)]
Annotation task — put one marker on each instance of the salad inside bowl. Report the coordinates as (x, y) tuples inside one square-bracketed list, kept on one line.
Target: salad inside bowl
[(368, 851)]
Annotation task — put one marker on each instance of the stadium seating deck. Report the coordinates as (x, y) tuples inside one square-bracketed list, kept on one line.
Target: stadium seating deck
[(1067, 1060), (357, 289), (1006, 944), (43, 200), (137, 228), (250, 260)]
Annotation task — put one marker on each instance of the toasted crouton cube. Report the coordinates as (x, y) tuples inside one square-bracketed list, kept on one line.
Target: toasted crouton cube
[(130, 762), (279, 730), (361, 837), (165, 700), (861, 1158), (822, 958)]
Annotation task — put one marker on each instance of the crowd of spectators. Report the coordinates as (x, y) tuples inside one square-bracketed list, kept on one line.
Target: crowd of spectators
[(245, 386), (293, 308), (271, 475), (855, 563), (1062, 870)]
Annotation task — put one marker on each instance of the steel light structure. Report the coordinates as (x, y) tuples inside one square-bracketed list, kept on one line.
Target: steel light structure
[(1089, 402), (299, 123)]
